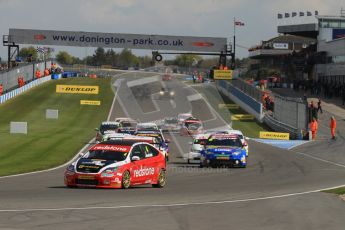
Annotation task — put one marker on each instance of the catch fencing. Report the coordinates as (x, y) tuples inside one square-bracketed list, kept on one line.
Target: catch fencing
[(289, 114), (9, 79)]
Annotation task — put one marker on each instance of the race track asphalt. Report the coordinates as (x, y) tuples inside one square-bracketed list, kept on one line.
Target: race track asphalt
[(278, 189)]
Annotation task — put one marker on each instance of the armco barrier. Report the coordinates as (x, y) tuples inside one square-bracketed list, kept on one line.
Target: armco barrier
[(281, 127), (13, 93), (246, 102)]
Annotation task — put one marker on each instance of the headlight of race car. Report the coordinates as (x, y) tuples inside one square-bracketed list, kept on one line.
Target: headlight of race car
[(172, 93), (70, 168), (109, 172), (236, 153), (161, 93)]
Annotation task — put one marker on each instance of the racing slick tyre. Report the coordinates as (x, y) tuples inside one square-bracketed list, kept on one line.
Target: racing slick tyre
[(126, 180), (162, 179)]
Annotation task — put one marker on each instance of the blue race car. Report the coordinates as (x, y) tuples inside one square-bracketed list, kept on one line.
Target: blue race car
[(223, 149)]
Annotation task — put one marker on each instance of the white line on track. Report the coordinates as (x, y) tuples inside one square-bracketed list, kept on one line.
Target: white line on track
[(168, 205)]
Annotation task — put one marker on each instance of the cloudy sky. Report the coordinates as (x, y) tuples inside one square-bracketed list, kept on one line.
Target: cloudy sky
[(209, 18)]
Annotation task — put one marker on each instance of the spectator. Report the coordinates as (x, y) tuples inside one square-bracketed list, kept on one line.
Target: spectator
[(319, 106), (46, 72), (38, 73), (313, 128), (1, 89), (333, 126)]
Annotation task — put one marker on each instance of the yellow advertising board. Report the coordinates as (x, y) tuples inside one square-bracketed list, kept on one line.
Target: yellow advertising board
[(222, 74), (77, 89), (274, 135), (86, 102), (228, 106), (241, 117)]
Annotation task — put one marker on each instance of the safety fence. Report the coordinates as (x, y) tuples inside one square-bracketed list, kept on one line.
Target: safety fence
[(289, 114), (9, 79), (291, 111), (248, 89), (15, 92)]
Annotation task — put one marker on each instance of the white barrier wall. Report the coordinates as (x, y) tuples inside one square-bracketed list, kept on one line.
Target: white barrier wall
[(21, 90)]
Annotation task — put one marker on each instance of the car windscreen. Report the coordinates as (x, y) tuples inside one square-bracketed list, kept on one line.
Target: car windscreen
[(127, 124), (171, 121), (193, 125), (104, 128), (106, 155), (199, 141), (225, 142), (146, 127)]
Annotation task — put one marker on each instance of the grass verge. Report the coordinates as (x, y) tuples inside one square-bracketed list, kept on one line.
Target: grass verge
[(337, 191), (50, 142), (250, 128)]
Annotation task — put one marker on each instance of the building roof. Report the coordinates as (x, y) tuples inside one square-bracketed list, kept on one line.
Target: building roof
[(342, 18), (291, 39)]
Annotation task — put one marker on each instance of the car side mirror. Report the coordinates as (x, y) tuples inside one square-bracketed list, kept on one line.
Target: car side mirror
[(167, 141), (135, 158), (190, 143), (96, 129)]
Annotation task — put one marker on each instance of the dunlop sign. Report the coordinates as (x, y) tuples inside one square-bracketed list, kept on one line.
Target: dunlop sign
[(222, 74), (77, 89), (86, 102), (241, 117), (274, 135)]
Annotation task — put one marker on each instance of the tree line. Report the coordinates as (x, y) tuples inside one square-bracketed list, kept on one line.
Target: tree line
[(123, 59)]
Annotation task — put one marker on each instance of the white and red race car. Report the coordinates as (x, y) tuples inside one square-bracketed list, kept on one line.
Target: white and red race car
[(118, 164)]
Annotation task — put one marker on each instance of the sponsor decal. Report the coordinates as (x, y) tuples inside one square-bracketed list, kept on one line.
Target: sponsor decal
[(77, 89), (118, 148), (86, 177), (203, 44), (86, 102), (88, 166), (283, 46), (222, 74), (228, 106), (338, 33), (241, 117), (39, 37), (143, 172), (222, 157), (274, 135)]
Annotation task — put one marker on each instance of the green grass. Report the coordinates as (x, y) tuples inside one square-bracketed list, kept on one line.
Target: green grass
[(248, 127), (338, 191), (50, 142)]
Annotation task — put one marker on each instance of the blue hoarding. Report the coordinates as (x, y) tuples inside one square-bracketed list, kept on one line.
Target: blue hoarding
[(338, 33)]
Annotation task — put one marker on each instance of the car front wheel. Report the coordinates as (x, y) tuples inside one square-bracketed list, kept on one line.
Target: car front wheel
[(161, 181)]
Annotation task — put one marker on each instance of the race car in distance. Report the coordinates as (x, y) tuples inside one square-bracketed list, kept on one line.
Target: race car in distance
[(118, 164), (196, 146), (106, 127), (170, 124), (162, 142), (166, 77), (166, 93), (223, 149), (147, 127), (191, 126), (183, 116), (115, 136), (128, 126)]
